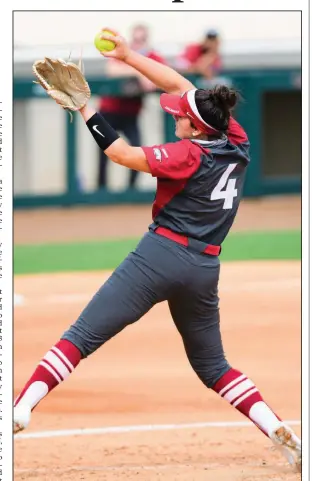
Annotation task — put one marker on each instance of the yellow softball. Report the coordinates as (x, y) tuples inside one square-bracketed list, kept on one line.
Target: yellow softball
[(104, 45)]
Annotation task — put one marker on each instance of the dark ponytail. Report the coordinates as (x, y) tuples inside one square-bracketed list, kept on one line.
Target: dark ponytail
[(215, 105)]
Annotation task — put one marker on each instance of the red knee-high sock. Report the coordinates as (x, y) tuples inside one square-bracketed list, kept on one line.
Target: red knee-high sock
[(56, 365), (243, 395)]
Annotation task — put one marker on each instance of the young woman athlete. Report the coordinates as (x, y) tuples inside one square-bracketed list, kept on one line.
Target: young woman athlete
[(199, 187)]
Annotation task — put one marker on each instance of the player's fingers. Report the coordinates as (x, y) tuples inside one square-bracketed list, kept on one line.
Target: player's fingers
[(117, 40), (108, 29), (105, 53), (109, 37)]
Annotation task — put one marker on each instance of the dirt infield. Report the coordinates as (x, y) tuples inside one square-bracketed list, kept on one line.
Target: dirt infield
[(142, 377)]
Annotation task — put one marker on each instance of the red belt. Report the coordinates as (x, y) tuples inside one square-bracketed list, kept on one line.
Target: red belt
[(184, 240)]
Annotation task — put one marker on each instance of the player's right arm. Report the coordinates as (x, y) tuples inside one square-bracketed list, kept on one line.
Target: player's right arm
[(161, 75)]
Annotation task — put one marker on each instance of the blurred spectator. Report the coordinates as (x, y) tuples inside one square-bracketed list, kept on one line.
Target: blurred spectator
[(204, 58), (123, 112)]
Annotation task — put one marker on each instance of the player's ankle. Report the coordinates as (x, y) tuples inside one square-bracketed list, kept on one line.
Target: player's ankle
[(57, 364), (238, 390)]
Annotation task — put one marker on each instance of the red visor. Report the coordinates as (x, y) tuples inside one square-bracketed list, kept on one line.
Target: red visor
[(185, 106), (171, 104)]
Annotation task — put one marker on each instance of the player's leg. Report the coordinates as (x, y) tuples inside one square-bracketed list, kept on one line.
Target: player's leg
[(196, 314), (135, 286)]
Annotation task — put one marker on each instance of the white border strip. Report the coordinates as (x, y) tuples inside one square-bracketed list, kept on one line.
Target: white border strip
[(139, 429)]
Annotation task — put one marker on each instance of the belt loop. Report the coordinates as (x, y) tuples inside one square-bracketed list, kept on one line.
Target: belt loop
[(196, 245), (153, 227), (201, 247)]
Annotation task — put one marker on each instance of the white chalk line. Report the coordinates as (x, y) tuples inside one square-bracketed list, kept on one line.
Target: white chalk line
[(276, 284), (139, 429)]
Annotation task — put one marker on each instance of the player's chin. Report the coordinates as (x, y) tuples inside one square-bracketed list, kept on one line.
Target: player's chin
[(178, 134)]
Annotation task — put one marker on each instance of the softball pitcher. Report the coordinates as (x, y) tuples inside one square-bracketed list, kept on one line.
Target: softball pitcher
[(199, 187)]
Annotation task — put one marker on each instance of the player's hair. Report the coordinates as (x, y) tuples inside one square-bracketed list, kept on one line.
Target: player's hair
[(215, 105)]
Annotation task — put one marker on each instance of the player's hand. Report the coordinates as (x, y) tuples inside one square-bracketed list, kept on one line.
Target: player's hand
[(122, 49)]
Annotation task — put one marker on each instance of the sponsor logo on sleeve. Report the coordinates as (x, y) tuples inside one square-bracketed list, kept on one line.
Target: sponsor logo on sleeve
[(165, 153), (157, 153)]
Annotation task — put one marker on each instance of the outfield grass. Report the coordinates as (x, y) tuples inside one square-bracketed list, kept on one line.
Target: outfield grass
[(104, 255)]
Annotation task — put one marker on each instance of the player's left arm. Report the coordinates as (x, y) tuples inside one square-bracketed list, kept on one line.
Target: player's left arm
[(117, 149), (175, 161), (132, 157)]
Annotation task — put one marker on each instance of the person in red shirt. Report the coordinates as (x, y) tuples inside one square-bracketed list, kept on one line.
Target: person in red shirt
[(123, 112), (200, 180), (203, 58)]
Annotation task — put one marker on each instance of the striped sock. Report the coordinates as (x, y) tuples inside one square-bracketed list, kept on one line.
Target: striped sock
[(243, 395), (55, 367)]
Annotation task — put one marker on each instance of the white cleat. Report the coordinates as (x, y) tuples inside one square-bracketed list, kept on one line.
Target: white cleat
[(289, 444), (21, 417)]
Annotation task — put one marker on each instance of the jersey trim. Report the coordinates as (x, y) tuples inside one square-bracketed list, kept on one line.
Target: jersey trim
[(208, 144)]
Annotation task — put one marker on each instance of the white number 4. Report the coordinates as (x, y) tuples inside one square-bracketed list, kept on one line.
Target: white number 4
[(230, 192)]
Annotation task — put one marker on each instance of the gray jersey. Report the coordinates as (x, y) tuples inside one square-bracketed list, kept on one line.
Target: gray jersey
[(200, 184)]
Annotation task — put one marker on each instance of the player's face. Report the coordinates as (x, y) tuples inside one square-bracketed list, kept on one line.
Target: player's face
[(183, 129)]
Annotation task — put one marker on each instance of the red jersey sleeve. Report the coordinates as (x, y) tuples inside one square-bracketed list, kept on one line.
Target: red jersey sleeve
[(178, 160), (236, 133)]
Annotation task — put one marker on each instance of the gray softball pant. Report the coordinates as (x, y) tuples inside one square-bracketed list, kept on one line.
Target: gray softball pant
[(160, 270)]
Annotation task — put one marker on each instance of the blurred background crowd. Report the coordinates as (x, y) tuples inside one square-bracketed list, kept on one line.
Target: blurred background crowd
[(257, 52)]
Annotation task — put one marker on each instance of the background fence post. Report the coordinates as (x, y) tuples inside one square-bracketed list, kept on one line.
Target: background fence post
[(72, 180)]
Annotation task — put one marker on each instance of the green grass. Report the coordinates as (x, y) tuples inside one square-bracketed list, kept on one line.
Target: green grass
[(108, 254)]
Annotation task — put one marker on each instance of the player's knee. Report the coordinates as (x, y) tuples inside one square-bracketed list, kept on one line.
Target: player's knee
[(83, 337), (210, 372)]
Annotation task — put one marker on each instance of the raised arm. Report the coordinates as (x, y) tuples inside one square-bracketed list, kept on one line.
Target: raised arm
[(162, 76)]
